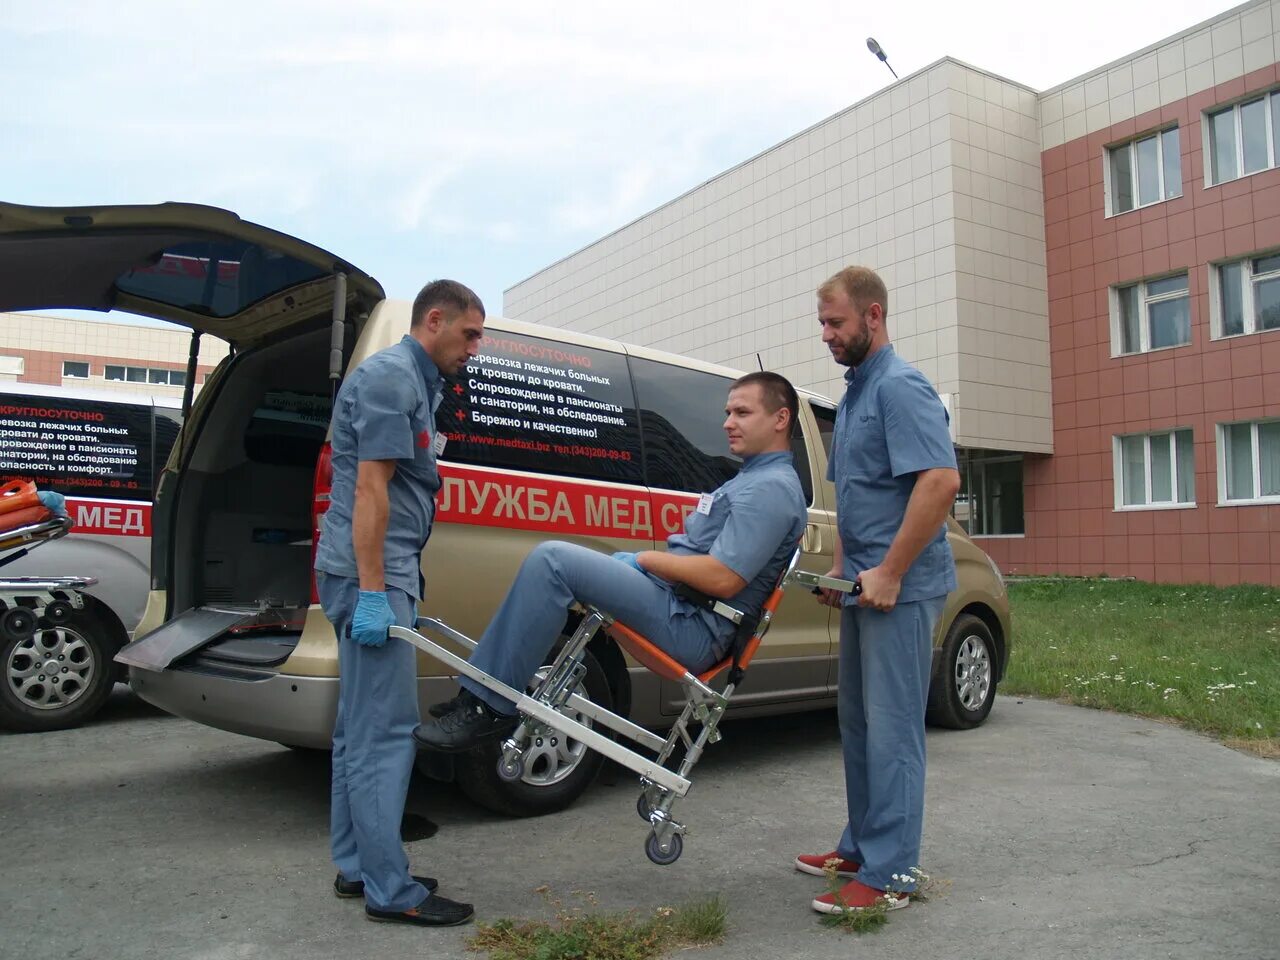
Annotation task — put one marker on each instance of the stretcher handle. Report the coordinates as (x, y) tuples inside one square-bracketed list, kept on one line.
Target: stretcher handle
[(819, 582)]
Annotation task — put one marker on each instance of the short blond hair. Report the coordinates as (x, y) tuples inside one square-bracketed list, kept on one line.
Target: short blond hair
[(862, 285)]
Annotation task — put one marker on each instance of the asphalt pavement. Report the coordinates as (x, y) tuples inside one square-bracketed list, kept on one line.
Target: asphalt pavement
[(1055, 832)]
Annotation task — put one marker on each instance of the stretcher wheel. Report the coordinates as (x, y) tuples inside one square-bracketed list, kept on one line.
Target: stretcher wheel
[(18, 623), (58, 613), (643, 806), (510, 770), (656, 854)]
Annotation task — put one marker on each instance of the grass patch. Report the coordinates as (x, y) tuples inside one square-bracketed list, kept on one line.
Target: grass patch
[(1202, 656), (871, 919), (577, 934)]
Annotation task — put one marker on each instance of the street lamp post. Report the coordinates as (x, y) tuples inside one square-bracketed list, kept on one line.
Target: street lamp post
[(880, 54)]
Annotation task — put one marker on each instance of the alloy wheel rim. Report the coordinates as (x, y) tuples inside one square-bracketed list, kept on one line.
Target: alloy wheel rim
[(51, 669), (973, 672)]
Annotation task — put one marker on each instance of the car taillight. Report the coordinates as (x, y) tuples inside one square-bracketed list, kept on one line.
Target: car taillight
[(321, 487)]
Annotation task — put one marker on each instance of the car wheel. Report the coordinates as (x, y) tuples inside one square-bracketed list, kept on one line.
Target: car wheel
[(963, 687), (556, 769), (57, 677)]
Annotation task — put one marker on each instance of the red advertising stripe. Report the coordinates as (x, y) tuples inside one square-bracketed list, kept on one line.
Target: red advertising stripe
[(489, 498), (117, 518)]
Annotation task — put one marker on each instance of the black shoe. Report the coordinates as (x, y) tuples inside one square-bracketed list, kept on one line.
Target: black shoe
[(470, 722), (444, 707), (435, 911), (355, 888)]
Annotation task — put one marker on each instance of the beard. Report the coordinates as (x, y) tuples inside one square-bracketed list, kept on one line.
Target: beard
[(854, 352)]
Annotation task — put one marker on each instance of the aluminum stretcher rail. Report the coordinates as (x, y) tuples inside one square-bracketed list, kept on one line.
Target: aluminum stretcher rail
[(27, 603), (662, 782)]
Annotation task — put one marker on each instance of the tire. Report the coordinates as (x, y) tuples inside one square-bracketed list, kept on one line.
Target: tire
[(29, 704), (552, 779), (963, 687)]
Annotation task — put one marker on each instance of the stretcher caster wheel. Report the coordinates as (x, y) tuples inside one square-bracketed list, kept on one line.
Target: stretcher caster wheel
[(662, 858), (18, 623), (643, 806), (510, 770), (58, 613)]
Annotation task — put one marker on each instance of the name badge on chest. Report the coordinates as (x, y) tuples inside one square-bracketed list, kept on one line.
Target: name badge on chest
[(437, 445), (704, 503)]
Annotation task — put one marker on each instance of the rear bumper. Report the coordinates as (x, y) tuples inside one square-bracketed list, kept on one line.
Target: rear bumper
[(295, 710)]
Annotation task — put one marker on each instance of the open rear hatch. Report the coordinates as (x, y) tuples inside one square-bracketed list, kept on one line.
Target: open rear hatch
[(206, 269), (197, 266)]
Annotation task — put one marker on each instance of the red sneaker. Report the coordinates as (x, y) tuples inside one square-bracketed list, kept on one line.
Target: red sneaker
[(814, 862), (858, 896)]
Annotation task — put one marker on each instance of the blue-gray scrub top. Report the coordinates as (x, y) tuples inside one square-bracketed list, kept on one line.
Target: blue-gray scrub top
[(753, 528), (890, 426), (386, 410)]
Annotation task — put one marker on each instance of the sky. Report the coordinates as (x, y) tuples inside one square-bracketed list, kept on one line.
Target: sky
[(475, 140)]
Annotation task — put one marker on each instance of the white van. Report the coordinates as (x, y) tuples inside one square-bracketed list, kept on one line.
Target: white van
[(551, 434), (103, 451)]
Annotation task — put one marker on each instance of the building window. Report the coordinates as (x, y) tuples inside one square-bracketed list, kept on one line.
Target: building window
[(1244, 138), (1151, 315), (152, 375), (1145, 171), (75, 370), (1248, 295), (990, 500), (1249, 462), (1155, 470)]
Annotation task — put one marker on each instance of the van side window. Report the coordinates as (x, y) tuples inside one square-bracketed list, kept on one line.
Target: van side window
[(800, 455), (826, 417), (528, 403), (288, 428), (682, 416), (81, 448)]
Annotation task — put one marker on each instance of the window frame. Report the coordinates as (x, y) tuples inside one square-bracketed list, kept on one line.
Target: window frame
[(1118, 475), (1144, 327), (1131, 146), (973, 462), (148, 373), (88, 370), (1217, 315), (1236, 108), (1256, 463)]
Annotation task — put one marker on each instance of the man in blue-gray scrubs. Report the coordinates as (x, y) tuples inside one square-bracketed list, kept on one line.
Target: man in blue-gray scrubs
[(894, 469), (735, 546), (368, 573)]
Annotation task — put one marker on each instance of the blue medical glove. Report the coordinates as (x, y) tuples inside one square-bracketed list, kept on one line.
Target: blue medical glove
[(372, 619), (629, 559), (53, 501)]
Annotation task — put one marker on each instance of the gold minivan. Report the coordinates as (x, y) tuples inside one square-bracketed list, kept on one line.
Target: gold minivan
[(551, 434)]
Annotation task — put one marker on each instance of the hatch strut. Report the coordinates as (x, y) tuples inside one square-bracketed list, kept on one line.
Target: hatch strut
[(189, 388), (336, 330)]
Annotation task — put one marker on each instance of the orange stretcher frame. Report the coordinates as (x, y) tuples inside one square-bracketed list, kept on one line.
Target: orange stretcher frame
[(662, 780)]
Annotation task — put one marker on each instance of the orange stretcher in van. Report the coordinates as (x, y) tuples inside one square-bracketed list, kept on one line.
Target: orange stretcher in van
[(20, 506)]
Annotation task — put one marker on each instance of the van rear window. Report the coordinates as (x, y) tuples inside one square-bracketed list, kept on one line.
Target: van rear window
[(216, 278), (83, 448), (526, 403)]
